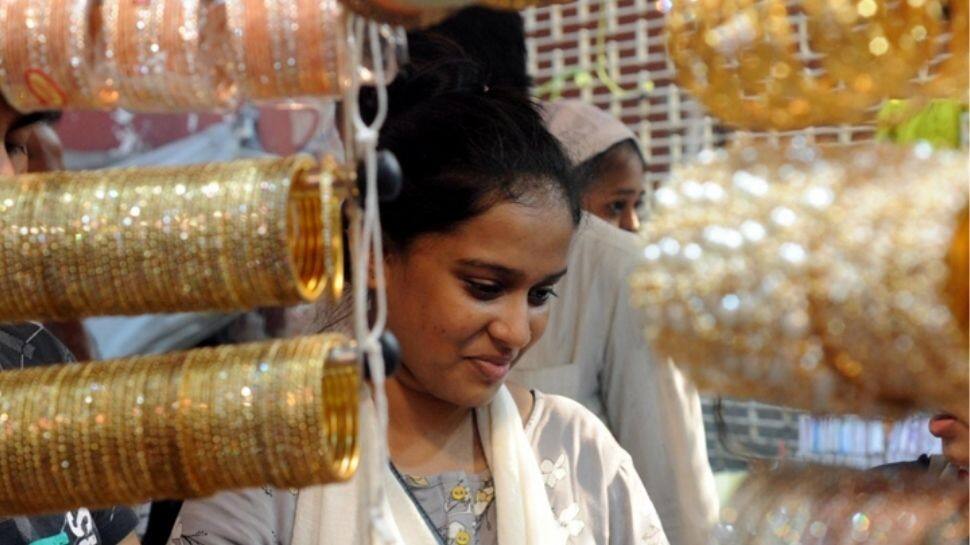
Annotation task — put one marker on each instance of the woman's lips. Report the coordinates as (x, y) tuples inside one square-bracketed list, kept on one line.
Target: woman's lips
[(942, 425), (492, 369)]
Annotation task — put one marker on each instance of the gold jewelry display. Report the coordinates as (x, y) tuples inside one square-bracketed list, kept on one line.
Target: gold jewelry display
[(958, 266), (47, 54), (951, 79), (223, 236), (744, 62), (813, 278), (840, 506), (181, 425), (286, 48), (157, 57)]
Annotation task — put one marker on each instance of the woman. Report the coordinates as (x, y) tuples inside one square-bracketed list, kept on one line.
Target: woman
[(594, 350), (609, 164), (475, 245)]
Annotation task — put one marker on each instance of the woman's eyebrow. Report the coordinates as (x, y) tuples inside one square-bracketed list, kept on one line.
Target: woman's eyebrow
[(506, 273), (494, 268), (553, 278)]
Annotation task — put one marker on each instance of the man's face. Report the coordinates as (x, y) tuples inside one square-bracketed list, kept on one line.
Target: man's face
[(16, 130)]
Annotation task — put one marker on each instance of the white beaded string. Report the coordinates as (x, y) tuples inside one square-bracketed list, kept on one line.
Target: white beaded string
[(365, 35)]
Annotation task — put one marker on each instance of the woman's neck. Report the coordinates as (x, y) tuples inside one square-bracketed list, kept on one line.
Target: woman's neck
[(427, 435)]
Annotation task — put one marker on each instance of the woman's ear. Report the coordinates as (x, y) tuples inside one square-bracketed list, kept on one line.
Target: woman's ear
[(389, 263), (371, 275)]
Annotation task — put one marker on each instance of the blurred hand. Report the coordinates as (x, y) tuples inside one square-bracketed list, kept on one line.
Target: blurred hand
[(955, 435)]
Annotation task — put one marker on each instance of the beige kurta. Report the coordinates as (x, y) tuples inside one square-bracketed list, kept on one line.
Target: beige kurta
[(593, 490), (593, 351)]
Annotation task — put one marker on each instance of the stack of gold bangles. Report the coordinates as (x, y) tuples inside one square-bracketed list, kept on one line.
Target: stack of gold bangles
[(176, 55), (212, 237), (157, 57), (743, 60), (951, 78), (285, 48), (821, 279), (47, 53), (183, 425), (841, 506)]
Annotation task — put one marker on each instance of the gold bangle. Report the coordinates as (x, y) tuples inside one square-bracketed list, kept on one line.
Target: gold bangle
[(284, 49), (167, 231), (47, 59), (950, 78), (958, 277), (157, 57), (739, 58), (226, 417), (815, 504), (809, 277)]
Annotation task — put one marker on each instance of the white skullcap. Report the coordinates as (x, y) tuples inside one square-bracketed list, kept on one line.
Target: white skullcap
[(584, 130)]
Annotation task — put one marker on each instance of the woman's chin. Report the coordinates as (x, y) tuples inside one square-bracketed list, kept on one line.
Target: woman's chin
[(478, 395)]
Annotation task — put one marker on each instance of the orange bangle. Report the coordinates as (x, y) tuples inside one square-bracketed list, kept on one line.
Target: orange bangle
[(47, 54), (286, 49)]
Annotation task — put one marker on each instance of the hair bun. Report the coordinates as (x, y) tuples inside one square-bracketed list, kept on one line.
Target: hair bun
[(451, 71)]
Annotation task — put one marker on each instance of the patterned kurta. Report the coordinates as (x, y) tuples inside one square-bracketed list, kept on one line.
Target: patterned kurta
[(593, 490), (461, 507)]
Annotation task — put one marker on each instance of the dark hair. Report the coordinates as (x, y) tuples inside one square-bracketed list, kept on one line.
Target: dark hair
[(464, 147), (589, 170), (493, 39)]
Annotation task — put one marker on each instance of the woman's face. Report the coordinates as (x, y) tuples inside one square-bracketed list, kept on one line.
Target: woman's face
[(616, 195), (465, 305)]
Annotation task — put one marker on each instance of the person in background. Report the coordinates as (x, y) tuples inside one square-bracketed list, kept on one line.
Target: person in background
[(29, 142), (17, 129), (594, 351), (955, 435), (610, 167), (44, 150)]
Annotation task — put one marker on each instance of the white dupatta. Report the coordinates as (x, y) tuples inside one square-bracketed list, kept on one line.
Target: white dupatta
[(328, 515)]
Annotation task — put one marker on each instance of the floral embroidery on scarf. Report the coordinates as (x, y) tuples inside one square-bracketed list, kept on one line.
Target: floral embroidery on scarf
[(567, 519), (552, 473)]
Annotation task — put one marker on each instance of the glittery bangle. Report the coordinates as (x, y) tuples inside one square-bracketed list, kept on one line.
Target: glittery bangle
[(950, 78), (740, 59), (47, 56), (825, 504), (227, 417), (213, 237), (157, 57), (282, 49), (812, 278)]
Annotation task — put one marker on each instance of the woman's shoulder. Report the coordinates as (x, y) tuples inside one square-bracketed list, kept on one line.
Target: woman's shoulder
[(560, 423)]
